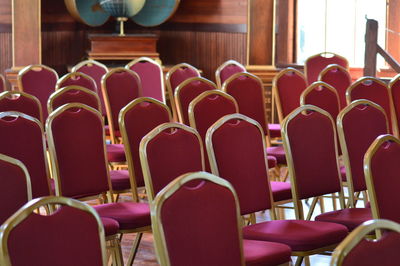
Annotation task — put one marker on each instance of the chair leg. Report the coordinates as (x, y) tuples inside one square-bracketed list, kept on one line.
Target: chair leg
[(117, 253), (334, 201), (299, 261), (307, 261), (134, 249), (321, 204)]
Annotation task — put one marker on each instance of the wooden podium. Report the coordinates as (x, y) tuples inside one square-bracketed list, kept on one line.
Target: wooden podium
[(127, 47)]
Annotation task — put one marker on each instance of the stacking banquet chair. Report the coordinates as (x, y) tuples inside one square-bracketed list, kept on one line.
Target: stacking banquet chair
[(137, 119), (394, 92), (175, 76), (151, 77), (80, 168), (186, 92), (316, 63), (22, 138), (358, 125), (339, 78), (3, 86), (310, 140), (40, 81), (235, 146), (21, 102), (72, 235), (226, 70), (77, 79), (15, 187), (359, 249), (214, 200), (375, 90)]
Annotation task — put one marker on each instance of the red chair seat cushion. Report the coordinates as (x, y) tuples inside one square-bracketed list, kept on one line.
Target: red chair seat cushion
[(263, 253), (274, 130), (278, 152), (117, 132), (115, 153), (298, 234), (272, 162), (351, 218), (343, 173), (281, 191), (129, 215), (111, 226), (120, 180)]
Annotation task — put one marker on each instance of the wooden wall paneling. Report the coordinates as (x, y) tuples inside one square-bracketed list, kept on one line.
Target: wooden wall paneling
[(393, 24), (285, 25)]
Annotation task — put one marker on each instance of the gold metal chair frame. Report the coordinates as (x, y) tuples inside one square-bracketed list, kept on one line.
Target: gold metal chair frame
[(394, 80), (177, 97), (29, 68), (125, 138), (167, 192), (154, 62), (88, 63), (107, 100), (11, 94), (222, 66), (324, 54), (312, 87), (358, 234), (169, 86), (343, 143), (143, 153), (73, 75), (60, 91), (35, 204), (331, 67)]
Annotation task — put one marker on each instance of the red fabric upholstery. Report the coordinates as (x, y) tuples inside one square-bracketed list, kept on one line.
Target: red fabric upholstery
[(298, 234), (78, 80), (14, 192), (188, 93), (150, 76), (311, 138), (278, 152), (21, 104), (75, 96), (281, 191), (180, 75), (129, 215), (351, 218), (325, 99), (120, 180), (316, 64), (272, 162), (40, 83), (395, 88), (115, 152), (263, 253), (171, 154), (111, 226), (22, 139), (274, 130), (77, 243), (140, 120), (343, 173), (117, 133), (229, 70), (361, 126), (242, 163), (339, 79)]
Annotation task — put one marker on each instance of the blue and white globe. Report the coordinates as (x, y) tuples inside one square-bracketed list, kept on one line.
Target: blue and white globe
[(122, 8)]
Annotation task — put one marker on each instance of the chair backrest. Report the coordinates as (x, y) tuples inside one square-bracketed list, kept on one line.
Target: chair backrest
[(168, 151), (375, 90), (179, 212), (22, 137), (310, 142), (72, 235), (323, 96), (358, 125), (236, 150), (40, 81), (186, 92), (175, 76), (119, 86), (3, 86), (78, 158), (316, 63), (21, 102), (137, 119), (287, 87), (381, 169), (339, 78), (73, 94), (77, 79), (226, 70), (151, 77), (96, 71), (394, 92), (359, 249), (15, 186)]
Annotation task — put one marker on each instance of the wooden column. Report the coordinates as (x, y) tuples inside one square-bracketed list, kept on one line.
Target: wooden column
[(285, 32), (371, 41)]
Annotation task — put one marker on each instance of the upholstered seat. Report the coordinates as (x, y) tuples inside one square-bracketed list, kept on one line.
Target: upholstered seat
[(278, 152), (115, 152), (117, 132), (111, 226), (343, 173), (272, 162), (281, 191), (351, 218), (120, 180), (274, 130), (263, 253)]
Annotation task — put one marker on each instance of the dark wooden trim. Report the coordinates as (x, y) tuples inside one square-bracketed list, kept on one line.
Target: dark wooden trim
[(5, 27), (285, 35)]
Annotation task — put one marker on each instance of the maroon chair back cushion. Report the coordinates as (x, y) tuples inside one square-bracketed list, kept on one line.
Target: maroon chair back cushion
[(22, 139), (325, 99), (239, 152), (21, 104), (340, 80), (40, 83), (13, 188), (230, 70), (76, 96), (396, 99), (316, 64), (171, 153), (361, 126), (186, 215), (180, 75), (79, 81), (150, 76), (139, 121), (78, 141), (312, 145), (67, 237)]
